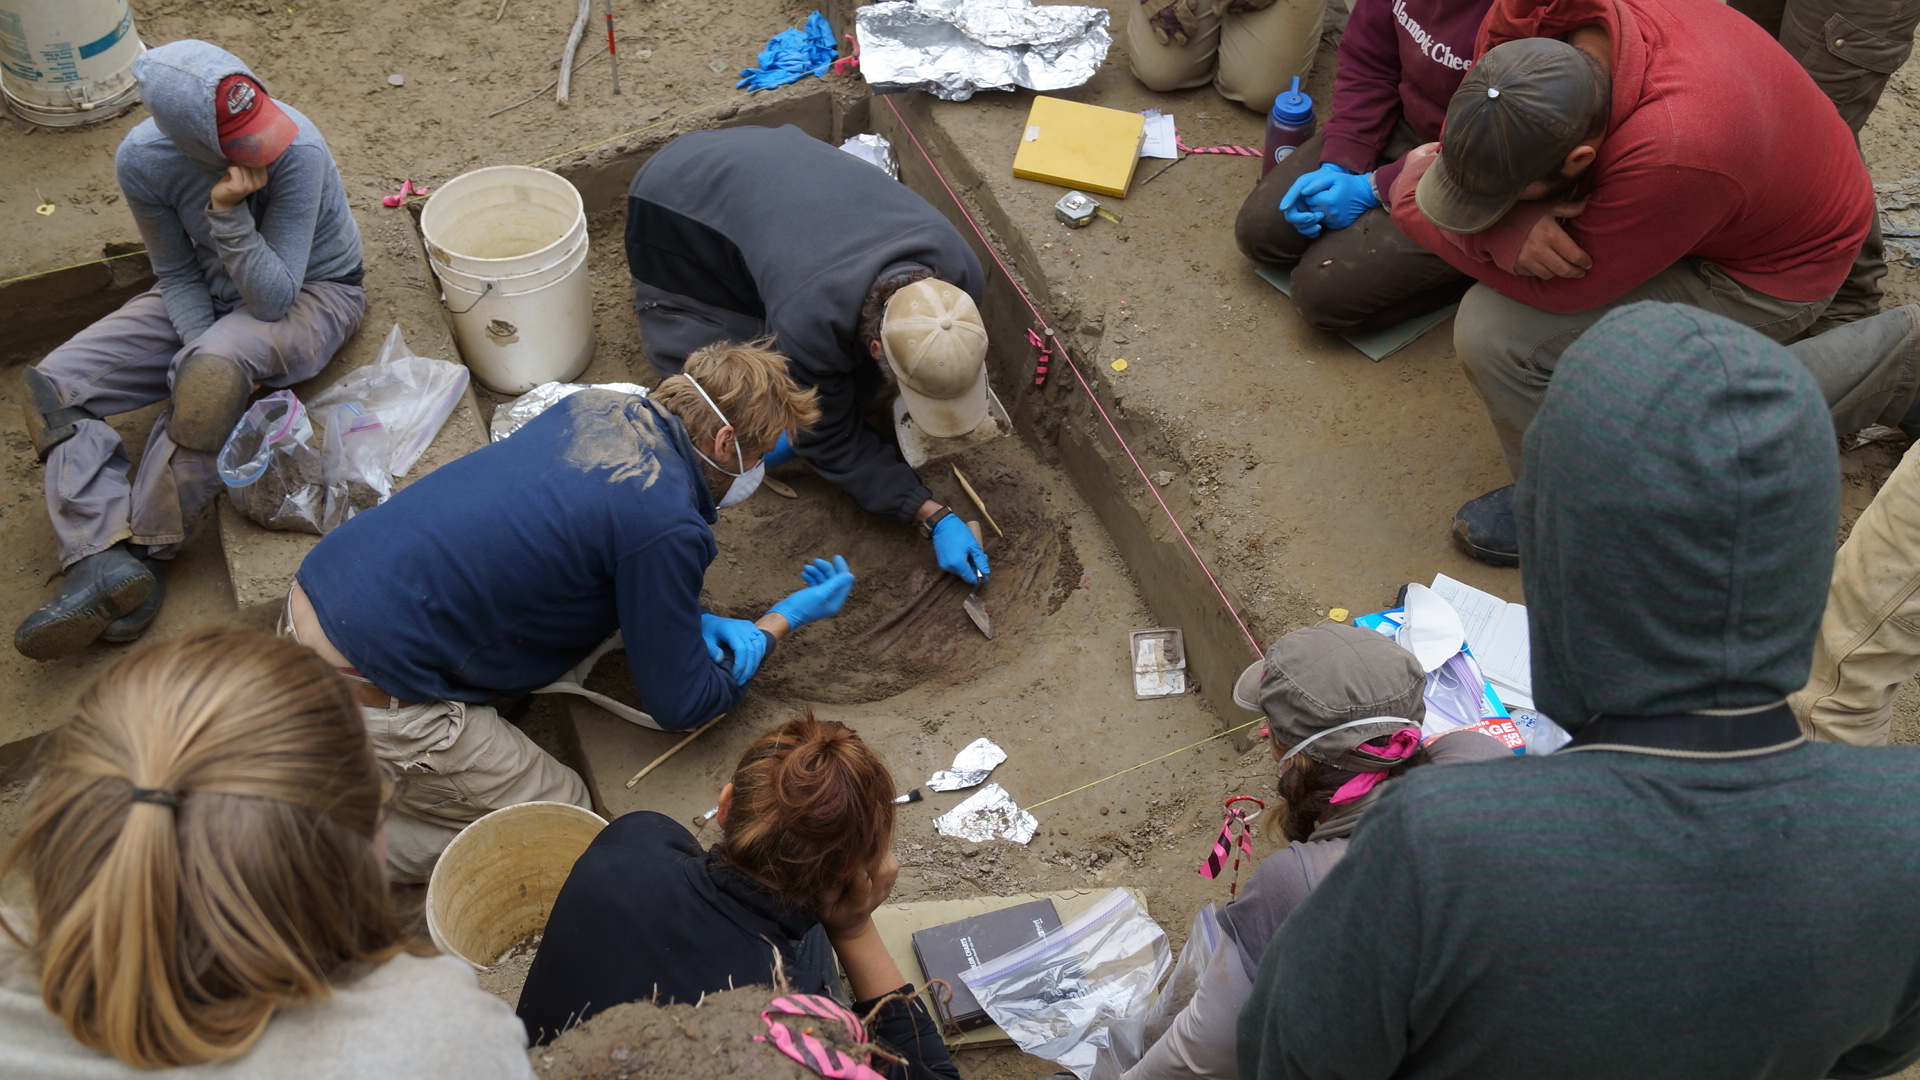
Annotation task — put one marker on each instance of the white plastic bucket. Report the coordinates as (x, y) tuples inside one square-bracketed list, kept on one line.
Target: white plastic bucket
[(509, 245), (496, 882), (64, 63)]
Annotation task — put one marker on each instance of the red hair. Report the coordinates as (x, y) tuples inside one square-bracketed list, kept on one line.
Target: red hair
[(811, 803)]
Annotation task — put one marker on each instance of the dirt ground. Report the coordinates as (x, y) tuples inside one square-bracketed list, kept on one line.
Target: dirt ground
[(1261, 442), (716, 1038)]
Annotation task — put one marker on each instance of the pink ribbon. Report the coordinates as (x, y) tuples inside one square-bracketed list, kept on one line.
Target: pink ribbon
[(809, 1051), (1400, 745)]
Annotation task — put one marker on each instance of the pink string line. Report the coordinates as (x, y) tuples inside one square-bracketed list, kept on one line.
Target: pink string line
[(1075, 368)]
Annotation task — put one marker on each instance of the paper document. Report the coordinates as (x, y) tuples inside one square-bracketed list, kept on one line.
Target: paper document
[(1158, 141), (1497, 634)]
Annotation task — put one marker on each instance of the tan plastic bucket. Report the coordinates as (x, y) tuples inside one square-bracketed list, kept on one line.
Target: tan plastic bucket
[(496, 882)]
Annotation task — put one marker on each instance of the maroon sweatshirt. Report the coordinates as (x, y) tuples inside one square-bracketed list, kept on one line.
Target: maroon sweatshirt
[(1398, 58), (1720, 146)]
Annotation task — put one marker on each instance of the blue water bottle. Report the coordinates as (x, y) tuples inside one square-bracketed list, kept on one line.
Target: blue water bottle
[(1289, 124)]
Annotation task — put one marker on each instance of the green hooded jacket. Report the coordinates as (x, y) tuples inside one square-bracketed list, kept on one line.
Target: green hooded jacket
[(1689, 890)]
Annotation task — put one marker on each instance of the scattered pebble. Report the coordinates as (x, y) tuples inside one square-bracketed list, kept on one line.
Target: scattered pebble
[(396, 79), (1103, 811)]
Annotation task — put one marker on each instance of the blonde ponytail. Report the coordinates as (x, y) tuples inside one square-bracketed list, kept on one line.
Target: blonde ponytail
[(202, 849)]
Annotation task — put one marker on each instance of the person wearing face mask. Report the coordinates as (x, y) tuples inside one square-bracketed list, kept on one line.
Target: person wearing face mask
[(496, 574)]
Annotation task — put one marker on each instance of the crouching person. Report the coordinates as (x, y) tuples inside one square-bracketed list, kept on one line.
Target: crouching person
[(258, 259), (804, 859), (205, 882), (497, 573), (1343, 708)]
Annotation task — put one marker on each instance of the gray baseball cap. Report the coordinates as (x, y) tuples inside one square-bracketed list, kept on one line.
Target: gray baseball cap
[(1325, 676)]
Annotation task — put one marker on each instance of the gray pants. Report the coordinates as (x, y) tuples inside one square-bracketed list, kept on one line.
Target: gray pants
[(1867, 369), (125, 362)]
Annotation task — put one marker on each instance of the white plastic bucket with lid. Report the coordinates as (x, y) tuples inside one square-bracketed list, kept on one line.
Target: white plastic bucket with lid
[(64, 63), (495, 884), (509, 245)]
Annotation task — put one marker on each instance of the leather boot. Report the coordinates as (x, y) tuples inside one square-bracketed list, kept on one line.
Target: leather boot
[(1484, 528), (134, 623), (98, 589), (209, 396)]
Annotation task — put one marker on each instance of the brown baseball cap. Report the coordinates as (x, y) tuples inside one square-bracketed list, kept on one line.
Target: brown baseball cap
[(1325, 676), (1516, 116)]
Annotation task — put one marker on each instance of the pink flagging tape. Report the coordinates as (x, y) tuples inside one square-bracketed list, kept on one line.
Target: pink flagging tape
[(1240, 151), (1067, 359)]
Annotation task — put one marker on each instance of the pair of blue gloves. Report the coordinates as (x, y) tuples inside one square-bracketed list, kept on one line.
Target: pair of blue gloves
[(828, 584), (1330, 197)]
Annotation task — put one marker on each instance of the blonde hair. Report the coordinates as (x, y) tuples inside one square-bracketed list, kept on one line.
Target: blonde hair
[(202, 849), (751, 384)]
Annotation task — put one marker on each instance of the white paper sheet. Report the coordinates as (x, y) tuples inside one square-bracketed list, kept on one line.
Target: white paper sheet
[(1158, 140), (1497, 634)]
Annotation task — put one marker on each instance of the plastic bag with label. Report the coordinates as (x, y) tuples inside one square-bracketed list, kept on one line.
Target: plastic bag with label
[(1061, 996), (271, 467), (353, 463), (412, 395)]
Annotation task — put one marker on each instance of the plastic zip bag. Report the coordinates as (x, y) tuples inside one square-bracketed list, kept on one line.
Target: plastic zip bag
[(1129, 1040), (412, 395), (353, 463), (1059, 997), (271, 468)]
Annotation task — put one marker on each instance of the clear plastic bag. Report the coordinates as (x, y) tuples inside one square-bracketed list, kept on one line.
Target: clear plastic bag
[(412, 395), (353, 463), (271, 467), (1061, 997), (1129, 1040)]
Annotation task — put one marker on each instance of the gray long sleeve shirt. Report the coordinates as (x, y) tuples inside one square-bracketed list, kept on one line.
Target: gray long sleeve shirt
[(296, 229)]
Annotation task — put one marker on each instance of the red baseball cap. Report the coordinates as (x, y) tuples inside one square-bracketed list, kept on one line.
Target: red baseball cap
[(253, 130)]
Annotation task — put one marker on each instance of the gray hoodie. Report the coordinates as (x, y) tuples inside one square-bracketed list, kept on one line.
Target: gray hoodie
[(295, 230)]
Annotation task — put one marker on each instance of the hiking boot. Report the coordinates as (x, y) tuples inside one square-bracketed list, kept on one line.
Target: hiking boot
[(98, 589), (209, 396), (134, 623), (1484, 528)]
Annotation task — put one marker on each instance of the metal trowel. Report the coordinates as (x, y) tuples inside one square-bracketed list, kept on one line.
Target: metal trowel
[(972, 605)]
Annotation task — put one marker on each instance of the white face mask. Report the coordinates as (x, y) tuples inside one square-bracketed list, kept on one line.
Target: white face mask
[(746, 481)]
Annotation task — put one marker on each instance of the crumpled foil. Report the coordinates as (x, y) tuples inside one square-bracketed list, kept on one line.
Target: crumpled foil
[(952, 48), (970, 766), (875, 150), (1900, 219), (985, 814), (514, 415)]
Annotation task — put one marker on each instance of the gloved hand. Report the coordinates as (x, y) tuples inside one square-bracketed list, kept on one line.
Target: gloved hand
[(958, 552), (828, 584), (781, 453), (745, 641), (1330, 197)]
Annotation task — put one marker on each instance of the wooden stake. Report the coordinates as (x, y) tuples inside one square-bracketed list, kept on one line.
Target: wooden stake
[(677, 747), (975, 496)]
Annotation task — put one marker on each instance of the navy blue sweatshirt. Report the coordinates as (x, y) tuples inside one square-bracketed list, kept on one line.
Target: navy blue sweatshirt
[(495, 574)]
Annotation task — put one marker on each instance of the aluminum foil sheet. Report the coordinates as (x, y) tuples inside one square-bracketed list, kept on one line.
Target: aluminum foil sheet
[(985, 814), (875, 150), (951, 48), (514, 415), (970, 766)]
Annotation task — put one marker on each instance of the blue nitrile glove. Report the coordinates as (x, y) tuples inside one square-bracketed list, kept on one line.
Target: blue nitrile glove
[(957, 552), (747, 643), (1330, 197), (781, 452), (828, 584)]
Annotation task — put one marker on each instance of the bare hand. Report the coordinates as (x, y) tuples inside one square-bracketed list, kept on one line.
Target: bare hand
[(847, 911), (1548, 252), (240, 182)]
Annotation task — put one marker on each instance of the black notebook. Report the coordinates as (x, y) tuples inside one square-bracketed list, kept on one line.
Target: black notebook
[(946, 951)]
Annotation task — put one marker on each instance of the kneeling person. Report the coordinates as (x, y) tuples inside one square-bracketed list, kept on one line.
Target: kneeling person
[(497, 573)]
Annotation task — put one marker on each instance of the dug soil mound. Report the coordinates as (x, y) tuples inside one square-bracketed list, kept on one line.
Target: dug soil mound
[(643, 1041)]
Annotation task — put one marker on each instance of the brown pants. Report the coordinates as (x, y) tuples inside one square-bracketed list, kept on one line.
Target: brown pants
[(1367, 276)]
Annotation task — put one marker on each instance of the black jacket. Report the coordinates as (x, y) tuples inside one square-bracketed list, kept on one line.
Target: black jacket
[(790, 233), (646, 911)]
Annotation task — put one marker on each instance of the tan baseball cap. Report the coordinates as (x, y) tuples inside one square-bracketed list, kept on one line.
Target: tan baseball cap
[(937, 346)]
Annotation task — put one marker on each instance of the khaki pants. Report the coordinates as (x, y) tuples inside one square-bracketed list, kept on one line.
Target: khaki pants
[(461, 762), (1250, 56), (1866, 369), (1869, 641)]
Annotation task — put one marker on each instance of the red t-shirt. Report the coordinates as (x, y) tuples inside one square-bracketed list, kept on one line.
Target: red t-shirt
[(1720, 146)]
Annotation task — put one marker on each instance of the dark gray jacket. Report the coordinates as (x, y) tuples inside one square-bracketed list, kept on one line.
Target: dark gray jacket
[(774, 229)]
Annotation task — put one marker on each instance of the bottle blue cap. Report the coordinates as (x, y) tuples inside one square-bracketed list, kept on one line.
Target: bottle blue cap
[(1293, 107)]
